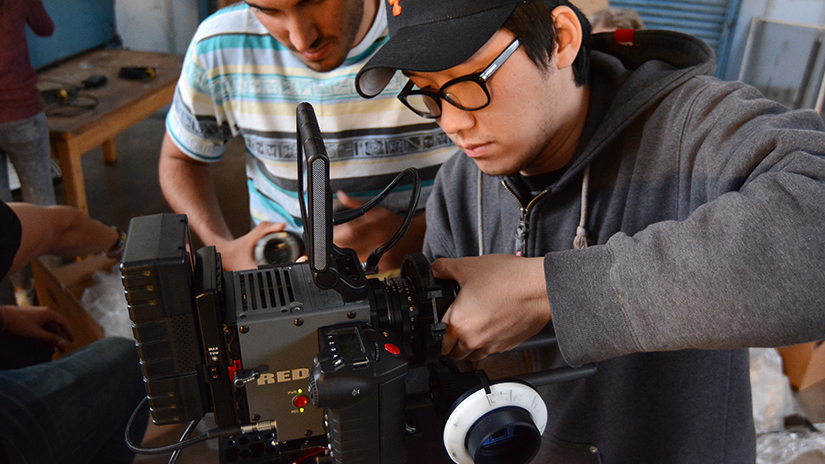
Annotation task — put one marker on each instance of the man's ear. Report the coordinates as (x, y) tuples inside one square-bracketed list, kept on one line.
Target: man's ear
[(568, 36)]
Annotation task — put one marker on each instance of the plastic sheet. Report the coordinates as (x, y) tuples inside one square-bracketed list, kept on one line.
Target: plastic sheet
[(105, 301), (771, 390), (786, 446), (773, 401)]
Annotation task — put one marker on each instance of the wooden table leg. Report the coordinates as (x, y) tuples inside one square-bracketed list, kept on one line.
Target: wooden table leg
[(109, 151), (72, 171)]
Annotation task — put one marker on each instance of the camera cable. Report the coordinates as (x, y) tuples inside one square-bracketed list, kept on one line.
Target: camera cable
[(208, 435), (186, 433), (350, 214)]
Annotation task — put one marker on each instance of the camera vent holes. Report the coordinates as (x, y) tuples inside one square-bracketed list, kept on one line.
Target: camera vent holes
[(267, 289), (184, 342), (243, 292)]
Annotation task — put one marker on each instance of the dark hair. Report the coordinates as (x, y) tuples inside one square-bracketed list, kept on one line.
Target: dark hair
[(533, 24)]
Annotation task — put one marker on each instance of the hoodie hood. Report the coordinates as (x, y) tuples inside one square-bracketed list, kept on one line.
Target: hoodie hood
[(631, 71)]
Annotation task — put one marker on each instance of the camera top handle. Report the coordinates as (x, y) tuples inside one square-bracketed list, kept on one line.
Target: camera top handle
[(335, 267), (332, 267), (317, 214)]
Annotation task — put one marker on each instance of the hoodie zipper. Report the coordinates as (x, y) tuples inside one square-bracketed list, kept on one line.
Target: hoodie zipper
[(523, 229)]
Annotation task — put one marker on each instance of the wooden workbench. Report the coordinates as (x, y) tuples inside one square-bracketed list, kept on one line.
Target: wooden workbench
[(120, 104)]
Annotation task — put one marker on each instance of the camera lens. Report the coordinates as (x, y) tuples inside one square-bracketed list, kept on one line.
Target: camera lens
[(502, 436), (278, 248), (412, 305)]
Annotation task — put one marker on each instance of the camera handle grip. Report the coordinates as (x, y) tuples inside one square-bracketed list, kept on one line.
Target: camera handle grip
[(351, 430)]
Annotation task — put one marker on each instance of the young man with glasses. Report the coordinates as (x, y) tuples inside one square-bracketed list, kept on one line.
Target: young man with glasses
[(247, 69), (657, 220)]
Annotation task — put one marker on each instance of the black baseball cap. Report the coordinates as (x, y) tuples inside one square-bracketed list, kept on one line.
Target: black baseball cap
[(432, 35)]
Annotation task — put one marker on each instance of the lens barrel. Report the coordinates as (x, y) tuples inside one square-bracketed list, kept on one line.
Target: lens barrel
[(279, 248), (503, 436)]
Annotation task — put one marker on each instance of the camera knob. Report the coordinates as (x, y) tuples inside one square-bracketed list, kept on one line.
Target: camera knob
[(499, 425)]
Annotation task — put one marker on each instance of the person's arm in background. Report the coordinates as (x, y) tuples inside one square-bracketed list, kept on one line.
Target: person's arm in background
[(189, 189), (56, 230), (59, 230), (38, 19)]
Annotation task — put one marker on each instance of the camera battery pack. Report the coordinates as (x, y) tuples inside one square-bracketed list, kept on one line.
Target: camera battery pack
[(159, 297)]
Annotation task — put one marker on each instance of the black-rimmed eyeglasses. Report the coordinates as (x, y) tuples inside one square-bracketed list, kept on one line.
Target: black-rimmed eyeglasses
[(468, 93)]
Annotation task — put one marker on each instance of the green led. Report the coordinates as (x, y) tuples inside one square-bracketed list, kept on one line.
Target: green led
[(300, 391), (300, 409)]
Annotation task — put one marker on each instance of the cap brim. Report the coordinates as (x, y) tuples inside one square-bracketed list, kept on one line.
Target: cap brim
[(430, 47)]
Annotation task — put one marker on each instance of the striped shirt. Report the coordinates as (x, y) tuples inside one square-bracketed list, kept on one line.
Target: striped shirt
[(237, 80)]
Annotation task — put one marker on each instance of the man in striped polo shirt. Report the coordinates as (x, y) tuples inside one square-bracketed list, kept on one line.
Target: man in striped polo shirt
[(246, 70)]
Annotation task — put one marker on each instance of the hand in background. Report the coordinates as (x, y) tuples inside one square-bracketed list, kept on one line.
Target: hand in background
[(40, 323), (375, 228), (239, 254), (502, 302)]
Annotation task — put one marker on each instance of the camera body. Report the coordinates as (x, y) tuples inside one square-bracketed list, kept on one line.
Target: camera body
[(246, 345)]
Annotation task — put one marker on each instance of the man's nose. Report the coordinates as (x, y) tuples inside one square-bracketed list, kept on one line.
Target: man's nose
[(453, 119), (302, 33)]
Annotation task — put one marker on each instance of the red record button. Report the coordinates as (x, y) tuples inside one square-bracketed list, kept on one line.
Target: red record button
[(300, 401), (392, 349)]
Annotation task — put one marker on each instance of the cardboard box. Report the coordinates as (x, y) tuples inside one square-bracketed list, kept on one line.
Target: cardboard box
[(804, 364), (60, 288)]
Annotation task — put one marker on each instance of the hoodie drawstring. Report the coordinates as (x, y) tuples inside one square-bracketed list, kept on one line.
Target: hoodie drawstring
[(580, 242), (480, 215)]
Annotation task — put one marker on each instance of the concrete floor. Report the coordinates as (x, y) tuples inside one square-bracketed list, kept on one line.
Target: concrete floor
[(128, 188)]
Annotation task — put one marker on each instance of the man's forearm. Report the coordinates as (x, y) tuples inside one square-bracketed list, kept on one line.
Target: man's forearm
[(189, 189)]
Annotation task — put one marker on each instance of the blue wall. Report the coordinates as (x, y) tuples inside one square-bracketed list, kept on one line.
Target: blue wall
[(79, 25)]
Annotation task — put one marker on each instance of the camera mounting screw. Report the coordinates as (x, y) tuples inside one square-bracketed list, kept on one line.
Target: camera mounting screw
[(299, 322), (256, 417), (351, 315), (243, 329)]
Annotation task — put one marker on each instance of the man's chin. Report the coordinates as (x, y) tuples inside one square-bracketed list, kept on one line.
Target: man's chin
[(492, 170), (325, 65)]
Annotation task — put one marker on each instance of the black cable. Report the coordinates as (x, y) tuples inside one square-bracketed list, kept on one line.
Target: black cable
[(66, 100), (75, 105), (186, 433), (371, 266), (347, 215), (214, 433)]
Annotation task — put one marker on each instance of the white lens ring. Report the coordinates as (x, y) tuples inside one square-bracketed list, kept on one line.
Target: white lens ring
[(469, 411)]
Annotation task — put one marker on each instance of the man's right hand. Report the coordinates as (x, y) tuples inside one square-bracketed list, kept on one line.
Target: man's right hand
[(189, 189), (239, 254)]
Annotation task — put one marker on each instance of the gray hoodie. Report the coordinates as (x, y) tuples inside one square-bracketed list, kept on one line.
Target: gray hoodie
[(702, 205)]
